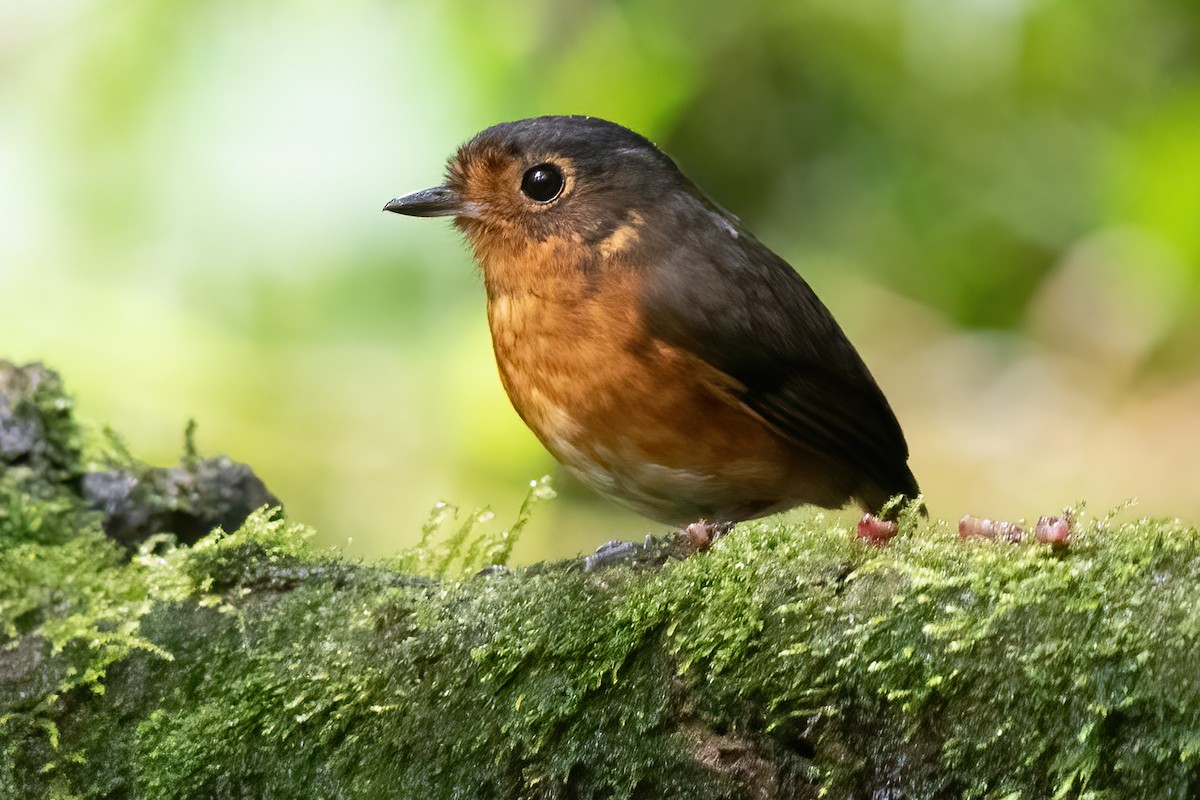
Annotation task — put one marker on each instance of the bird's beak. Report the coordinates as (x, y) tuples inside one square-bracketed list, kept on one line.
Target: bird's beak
[(440, 201)]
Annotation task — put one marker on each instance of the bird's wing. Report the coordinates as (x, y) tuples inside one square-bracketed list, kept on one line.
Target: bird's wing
[(730, 300)]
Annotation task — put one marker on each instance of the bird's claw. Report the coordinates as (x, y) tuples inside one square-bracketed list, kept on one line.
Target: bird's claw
[(609, 553)]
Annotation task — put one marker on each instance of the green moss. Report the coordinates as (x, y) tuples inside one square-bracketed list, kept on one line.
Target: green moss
[(472, 546), (791, 660), (40, 431), (944, 667)]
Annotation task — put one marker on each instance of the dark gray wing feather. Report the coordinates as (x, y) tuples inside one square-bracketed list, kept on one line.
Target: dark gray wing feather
[(730, 300)]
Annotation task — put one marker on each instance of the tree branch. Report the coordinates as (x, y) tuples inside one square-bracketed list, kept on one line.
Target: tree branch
[(789, 660)]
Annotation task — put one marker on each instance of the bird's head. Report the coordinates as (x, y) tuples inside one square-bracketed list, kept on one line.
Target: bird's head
[(552, 183)]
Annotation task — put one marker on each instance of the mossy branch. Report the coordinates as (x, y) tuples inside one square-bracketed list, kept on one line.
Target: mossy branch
[(790, 660)]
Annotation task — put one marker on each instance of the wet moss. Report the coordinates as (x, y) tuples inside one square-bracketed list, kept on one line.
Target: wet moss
[(790, 660), (795, 654), (40, 441)]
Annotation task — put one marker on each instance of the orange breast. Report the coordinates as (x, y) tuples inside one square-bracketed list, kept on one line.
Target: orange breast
[(638, 420)]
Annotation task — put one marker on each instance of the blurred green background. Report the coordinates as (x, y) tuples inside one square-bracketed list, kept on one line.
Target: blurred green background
[(999, 199)]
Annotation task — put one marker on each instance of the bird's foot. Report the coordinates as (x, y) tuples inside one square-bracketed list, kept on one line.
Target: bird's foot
[(656, 551), (614, 552), (699, 536), (876, 530)]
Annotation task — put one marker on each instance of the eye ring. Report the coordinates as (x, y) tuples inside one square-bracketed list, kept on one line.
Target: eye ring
[(542, 183)]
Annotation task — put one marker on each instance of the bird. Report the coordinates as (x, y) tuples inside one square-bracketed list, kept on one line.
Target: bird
[(661, 353)]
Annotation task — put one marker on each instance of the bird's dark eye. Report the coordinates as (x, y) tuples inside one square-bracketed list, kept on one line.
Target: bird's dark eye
[(542, 183)]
